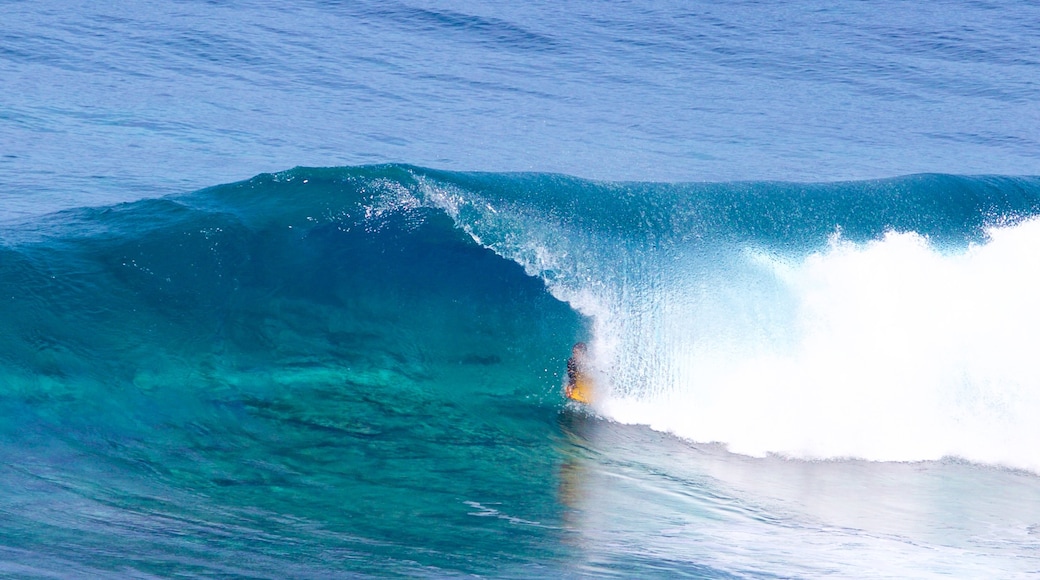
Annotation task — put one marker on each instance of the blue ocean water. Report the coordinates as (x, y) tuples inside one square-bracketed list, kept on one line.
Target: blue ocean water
[(289, 291)]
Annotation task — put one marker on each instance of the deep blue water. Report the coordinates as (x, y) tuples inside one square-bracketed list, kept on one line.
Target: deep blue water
[(800, 241), (109, 101)]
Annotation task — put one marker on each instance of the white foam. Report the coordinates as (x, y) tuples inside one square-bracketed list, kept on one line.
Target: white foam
[(890, 350)]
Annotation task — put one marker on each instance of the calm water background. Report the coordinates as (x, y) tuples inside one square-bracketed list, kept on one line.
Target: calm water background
[(316, 373), (117, 101)]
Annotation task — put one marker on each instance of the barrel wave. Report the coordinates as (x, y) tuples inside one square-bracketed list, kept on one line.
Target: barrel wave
[(884, 320), (387, 344)]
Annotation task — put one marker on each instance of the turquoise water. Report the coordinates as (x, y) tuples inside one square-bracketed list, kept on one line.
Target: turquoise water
[(358, 370), (213, 381), (799, 241)]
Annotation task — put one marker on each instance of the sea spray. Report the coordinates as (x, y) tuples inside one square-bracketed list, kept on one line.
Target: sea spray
[(883, 320), (884, 350)]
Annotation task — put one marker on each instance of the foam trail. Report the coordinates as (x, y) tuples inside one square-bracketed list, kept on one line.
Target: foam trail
[(887, 350)]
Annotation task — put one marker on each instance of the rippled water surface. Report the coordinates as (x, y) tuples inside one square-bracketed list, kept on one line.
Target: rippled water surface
[(799, 239), (109, 102)]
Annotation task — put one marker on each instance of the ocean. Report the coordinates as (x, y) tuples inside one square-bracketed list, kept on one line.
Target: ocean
[(289, 291)]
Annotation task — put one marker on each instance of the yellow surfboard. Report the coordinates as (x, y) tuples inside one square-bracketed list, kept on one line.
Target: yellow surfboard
[(581, 390)]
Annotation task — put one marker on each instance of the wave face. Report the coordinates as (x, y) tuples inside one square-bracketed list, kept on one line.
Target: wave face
[(375, 347), (300, 367)]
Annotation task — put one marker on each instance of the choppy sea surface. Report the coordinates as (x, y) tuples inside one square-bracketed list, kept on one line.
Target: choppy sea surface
[(289, 291)]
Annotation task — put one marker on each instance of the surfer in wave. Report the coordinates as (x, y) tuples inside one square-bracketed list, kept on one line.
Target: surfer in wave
[(579, 383)]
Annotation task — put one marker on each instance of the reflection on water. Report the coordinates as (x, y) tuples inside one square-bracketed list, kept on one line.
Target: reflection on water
[(632, 496)]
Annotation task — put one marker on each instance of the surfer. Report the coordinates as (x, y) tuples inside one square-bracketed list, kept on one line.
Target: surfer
[(579, 383)]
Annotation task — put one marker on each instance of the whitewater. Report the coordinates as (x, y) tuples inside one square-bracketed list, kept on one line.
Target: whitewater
[(289, 291), (901, 346)]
